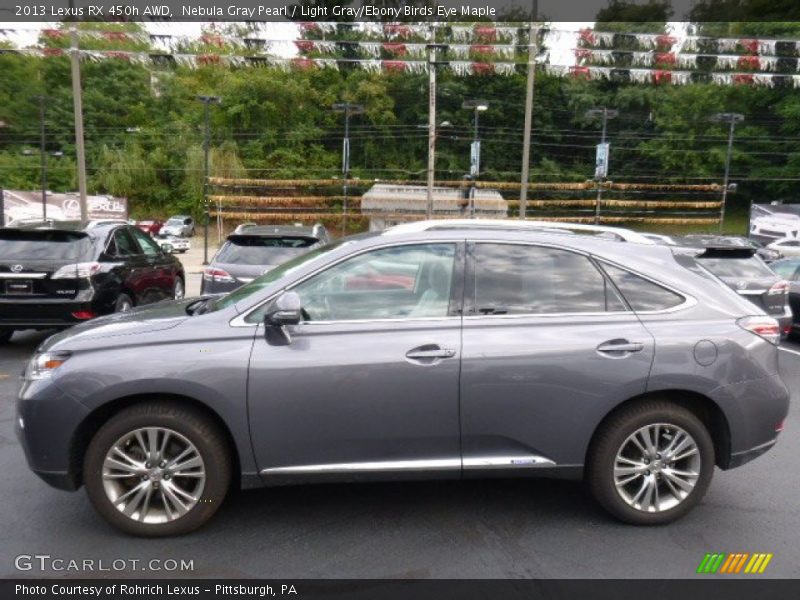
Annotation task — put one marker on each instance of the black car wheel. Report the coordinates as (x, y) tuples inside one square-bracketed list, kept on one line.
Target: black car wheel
[(5, 335), (123, 303), (157, 469), (178, 289), (651, 463)]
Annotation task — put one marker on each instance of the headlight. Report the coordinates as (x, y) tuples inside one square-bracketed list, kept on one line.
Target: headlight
[(41, 366)]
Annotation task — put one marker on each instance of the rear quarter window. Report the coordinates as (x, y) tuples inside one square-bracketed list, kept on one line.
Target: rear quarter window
[(642, 295)]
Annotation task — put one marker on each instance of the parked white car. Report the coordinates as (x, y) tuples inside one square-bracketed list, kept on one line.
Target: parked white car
[(788, 247), (179, 244), (776, 225)]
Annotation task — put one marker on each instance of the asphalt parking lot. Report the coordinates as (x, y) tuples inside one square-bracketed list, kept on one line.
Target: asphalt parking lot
[(484, 529)]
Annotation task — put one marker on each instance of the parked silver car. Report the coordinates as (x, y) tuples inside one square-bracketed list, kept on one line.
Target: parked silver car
[(179, 226), (427, 351)]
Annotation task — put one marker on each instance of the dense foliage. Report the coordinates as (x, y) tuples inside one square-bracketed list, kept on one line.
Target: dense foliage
[(144, 128)]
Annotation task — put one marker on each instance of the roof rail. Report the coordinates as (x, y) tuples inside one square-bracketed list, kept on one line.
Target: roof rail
[(616, 233)]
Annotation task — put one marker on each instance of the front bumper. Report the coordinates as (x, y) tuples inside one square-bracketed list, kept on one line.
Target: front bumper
[(47, 424)]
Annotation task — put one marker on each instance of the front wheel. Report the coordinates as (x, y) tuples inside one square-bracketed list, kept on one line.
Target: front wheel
[(123, 303), (157, 469), (651, 463)]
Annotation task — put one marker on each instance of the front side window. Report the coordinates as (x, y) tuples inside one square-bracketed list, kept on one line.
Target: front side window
[(515, 279), (411, 281), (641, 294)]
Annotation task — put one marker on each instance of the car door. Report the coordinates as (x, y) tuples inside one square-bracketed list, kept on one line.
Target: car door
[(160, 273), (132, 267), (549, 346), (368, 385)]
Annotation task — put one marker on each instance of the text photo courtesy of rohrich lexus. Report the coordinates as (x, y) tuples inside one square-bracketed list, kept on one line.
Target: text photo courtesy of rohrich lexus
[(360, 300)]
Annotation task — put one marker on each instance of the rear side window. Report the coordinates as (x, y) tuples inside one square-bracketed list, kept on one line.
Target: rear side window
[(125, 245), (641, 294), (515, 279)]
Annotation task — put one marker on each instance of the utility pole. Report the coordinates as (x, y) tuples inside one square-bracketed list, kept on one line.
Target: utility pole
[(731, 119), (77, 105), (431, 121), (42, 154), (348, 109), (533, 39), (207, 101), (601, 171), (478, 106)]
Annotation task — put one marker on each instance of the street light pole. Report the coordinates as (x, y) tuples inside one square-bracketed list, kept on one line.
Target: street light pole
[(43, 155), (207, 101), (606, 114), (348, 109), (731, 119), (526, 143), (478, 106)]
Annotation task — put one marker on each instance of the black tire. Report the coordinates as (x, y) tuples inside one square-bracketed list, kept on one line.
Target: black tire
[(188, 422), (123, 303), (610, 438), (5, 335)]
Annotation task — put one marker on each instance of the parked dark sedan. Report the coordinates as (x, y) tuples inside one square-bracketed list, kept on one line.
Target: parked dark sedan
[(54, 278), (246, 255), (741, 269)]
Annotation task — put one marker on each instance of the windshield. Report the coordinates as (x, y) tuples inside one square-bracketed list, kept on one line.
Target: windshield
[(737, 267), (174, 222), (274, 275), (43, 245)]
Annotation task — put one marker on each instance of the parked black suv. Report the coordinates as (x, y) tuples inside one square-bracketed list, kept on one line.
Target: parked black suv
[(54, 278)]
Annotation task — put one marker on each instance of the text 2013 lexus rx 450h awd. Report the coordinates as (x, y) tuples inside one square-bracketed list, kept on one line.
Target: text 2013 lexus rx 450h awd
[(431, 350)]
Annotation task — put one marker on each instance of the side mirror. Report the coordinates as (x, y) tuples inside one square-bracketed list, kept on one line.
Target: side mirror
[(288, 311), (167, 248)]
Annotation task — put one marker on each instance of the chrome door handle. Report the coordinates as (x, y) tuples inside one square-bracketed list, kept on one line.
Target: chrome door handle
[(426, 352), (620, 346)]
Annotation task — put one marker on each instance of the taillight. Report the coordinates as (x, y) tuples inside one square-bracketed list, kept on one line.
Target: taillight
[(213, 274), (77, 271), (83, 315), (782, 287), (779, 426), (763, 326)]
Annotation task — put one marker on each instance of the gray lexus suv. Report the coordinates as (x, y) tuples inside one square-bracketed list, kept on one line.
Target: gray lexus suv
[(430, 350)]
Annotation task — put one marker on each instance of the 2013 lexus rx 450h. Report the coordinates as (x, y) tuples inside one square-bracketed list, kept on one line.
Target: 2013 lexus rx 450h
[(431, 350)]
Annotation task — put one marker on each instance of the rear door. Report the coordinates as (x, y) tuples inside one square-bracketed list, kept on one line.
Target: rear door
[(161, 276), (549, 346)]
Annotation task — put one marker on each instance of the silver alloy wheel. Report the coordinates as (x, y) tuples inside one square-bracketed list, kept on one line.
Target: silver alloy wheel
[(179, 292), (153, 475), (657, 467)]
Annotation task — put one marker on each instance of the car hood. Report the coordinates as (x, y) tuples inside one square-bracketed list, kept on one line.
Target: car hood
[(143, 320)]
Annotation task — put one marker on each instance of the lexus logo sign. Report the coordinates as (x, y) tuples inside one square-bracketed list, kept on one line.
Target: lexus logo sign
[(16, 268)]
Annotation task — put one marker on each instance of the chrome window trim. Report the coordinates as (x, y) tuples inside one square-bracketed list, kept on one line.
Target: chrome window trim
[(476, 463), (240, 320)]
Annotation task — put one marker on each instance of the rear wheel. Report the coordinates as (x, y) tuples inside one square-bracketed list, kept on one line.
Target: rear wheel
[(651, 463), (5, 335), (157, 469), (123, 303)]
